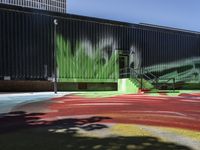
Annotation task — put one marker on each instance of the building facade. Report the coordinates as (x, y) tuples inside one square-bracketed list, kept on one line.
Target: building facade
[(50, 5), (92, 51)]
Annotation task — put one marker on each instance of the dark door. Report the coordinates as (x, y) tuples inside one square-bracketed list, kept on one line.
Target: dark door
[(123, 66)]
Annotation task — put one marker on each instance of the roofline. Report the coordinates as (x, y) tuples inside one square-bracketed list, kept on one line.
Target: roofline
[(168, 28), (95, 19)]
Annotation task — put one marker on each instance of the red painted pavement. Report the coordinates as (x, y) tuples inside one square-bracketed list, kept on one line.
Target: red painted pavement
[(180, 112)]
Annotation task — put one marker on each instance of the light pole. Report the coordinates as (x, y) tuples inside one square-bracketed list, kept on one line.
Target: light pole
[(55, 58)]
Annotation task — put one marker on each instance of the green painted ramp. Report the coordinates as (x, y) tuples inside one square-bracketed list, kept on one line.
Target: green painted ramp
[(127, 86), (132, 86)]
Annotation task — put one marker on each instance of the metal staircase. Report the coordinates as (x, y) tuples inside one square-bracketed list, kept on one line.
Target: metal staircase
[(147, 81)]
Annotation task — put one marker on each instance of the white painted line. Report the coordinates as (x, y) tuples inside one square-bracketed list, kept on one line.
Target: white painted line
[(99, 104)]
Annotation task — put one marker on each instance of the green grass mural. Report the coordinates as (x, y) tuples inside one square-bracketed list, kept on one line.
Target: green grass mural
[(83, 65)]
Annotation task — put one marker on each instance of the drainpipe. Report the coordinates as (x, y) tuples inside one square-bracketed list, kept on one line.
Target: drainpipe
[(55, 58)]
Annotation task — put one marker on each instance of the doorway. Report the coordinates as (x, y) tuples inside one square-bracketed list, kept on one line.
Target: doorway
[(123, 66)]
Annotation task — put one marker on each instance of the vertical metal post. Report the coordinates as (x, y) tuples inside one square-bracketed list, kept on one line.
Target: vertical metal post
[(174, 84), (116, 70), (156, 79), (141, 77), (55, 58)]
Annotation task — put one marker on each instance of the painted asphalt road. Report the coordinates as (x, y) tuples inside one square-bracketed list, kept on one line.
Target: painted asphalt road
[(171, 119)]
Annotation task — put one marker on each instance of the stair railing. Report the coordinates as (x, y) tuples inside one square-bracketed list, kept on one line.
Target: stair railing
[(131, 73), (138, 75), (166, 83), (150, 77)]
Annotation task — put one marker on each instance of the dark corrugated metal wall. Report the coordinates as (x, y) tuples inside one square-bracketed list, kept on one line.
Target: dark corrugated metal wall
[(164, 47), (171, 55), (27, 46)]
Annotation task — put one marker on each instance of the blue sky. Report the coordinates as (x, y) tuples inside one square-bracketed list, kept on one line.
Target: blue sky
[(184, 14)]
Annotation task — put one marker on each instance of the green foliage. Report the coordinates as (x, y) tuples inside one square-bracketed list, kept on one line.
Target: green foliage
[(79, 64)]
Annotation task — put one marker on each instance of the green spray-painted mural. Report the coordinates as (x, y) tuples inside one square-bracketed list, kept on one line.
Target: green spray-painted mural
[(83, 66), (187, 70), (86, 49)]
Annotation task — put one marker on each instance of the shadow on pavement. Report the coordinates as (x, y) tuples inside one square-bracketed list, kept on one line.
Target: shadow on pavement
[(22, 131)]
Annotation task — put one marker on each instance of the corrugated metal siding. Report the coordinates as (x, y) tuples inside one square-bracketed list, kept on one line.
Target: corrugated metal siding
[(86, 47), (86, 50), (163, 47), (26, 45), (171, 54), (159, 51)]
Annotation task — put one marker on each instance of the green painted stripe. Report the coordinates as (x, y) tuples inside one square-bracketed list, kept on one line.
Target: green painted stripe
[(88, 80)]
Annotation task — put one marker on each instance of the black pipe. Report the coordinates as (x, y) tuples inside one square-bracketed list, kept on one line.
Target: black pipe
[(55, 58)]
